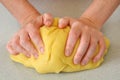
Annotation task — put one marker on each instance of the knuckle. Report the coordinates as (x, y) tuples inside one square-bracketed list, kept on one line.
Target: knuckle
[(23, 42), (75, 32), (93, 45), (37, 42), (62, 20), (86, 41), (9, 43), (30, 47), (35, 37), (8, 46), (15, 43), (84, 48), (75, 35), (26, 38), (87, 58), (76, 24), (39, 18), (65, 19), (92, 48), (29, 27), (47, 14), (22, 31), (76, 29), (49, 19), (33, 33), (93, 41)]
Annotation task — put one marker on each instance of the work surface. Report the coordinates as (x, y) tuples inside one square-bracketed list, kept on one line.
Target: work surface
[(109, 70)]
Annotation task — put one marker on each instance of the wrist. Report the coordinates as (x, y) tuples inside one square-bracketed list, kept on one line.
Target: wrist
[(29, 18), (89, 22)]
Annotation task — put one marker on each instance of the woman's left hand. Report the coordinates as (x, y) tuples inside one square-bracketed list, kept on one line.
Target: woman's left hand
[(89, 37)]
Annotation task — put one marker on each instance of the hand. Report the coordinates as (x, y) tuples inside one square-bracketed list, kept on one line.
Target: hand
[(22, 41), (89, 37)]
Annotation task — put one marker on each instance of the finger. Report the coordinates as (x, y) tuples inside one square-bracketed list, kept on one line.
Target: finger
[(16, 45), (26, 43), (84, 43), (35, 37), (47, 19), (90, 52), (63, 22), (101, 51), (72, 39), (11, 50)]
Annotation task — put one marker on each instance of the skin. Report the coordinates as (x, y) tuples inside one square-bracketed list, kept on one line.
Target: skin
[(86, 28)]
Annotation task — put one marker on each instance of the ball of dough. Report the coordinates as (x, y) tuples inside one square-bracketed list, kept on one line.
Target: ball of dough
[(54, 60)]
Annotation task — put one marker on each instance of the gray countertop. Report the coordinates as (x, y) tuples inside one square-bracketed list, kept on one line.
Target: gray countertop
[(109, 70)]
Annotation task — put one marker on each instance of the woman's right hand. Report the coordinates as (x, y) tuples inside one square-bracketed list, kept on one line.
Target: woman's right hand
[(22, 40)]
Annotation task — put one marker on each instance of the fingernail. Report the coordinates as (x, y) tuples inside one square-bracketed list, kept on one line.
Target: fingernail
[(83, 63), (36, 55), (76, 61), (60, 26), (42, 50), (62, 23), (48, 22), (94, 60), (28, 55), (67, 53)]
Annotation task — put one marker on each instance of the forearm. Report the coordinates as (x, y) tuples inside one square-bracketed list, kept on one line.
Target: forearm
[(100, 10), (21, 9)]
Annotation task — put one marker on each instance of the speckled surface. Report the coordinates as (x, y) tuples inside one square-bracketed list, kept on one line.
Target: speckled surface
[(109, 70)]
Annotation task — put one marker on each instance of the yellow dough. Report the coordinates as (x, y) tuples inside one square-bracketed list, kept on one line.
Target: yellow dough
[(54, 60)]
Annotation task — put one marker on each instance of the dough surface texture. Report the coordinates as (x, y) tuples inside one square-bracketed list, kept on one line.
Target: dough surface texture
[(53, 60)]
